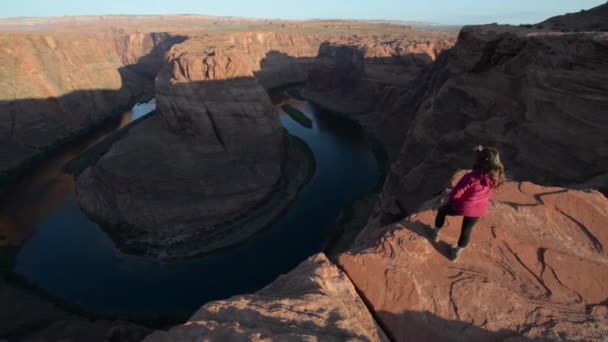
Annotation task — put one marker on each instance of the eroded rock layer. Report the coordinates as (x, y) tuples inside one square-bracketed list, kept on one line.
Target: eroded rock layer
[(536, 267), (215, 149), (314, 302), (54, 86), (540, 97)]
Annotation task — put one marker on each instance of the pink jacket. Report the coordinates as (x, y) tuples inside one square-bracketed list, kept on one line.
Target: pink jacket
[(471, 196)]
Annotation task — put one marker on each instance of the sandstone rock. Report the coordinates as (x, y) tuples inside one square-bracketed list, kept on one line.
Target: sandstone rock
[(540, 97), (215, 151), (536, 267), (366, 80), (57, 85), (314, 302)]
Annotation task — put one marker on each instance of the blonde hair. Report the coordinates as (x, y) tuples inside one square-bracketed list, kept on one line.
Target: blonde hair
[(488, 162)]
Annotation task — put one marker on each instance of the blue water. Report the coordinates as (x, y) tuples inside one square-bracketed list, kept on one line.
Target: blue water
[(75, 261)]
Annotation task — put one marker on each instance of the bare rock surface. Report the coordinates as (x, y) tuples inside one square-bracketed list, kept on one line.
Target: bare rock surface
[(349, 77), (540, 97), (536, 267), (595, 19), (54, 86), (215, 150), (314, 302)]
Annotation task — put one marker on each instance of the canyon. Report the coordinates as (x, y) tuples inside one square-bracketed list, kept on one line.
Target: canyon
[(537, 265), (212, 110)]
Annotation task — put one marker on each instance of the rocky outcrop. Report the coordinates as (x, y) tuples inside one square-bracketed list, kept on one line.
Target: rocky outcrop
[(56, 85), (540, 97), (214, 151), (350, 77), (595, 19), (314, 302), (536, 267)]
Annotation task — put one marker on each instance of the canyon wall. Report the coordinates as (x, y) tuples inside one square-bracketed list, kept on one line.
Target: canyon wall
[(540, 97), (216, 150), (536, 265), (536, 268), (55, 86), (314, 302)]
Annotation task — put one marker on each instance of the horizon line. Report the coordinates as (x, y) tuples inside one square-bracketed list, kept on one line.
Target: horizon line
[(404, 21)]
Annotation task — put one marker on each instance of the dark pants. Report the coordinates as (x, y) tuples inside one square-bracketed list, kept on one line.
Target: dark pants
[(467, 223)]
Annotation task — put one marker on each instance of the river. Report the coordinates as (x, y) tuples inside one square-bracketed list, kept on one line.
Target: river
[(71, 258)]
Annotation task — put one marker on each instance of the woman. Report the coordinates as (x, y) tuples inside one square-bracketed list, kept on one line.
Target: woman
[(470, 198)]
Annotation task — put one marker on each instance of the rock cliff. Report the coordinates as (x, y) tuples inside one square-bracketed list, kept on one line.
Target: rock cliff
[(540, 97), (595, 19), (214, 150), (314, 302), (536, 268), (214, 153), (55, 86)]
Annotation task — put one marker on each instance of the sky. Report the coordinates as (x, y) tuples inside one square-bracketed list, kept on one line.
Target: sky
[(437, 11)]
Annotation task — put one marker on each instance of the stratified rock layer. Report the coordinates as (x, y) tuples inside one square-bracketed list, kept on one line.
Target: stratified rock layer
[(55, 86), (314, 302), (536, 266), (540, 97), (214, 150)]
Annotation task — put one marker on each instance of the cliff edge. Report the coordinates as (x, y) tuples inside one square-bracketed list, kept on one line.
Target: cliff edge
[(536, 268)]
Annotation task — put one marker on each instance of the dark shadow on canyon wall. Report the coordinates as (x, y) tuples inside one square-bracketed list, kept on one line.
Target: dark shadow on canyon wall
[(33, 130)]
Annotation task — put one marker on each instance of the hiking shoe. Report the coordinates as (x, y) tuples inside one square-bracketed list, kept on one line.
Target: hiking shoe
[(455, 252)]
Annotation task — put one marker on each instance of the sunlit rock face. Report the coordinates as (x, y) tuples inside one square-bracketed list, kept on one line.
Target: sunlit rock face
[(314, 302), (56, 85), (536, 268)]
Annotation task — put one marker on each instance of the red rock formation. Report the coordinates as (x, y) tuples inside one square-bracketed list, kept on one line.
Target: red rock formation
[(540, 97), (536, 266), (57, 85), (314, 302), (219, 148), (214, 151), (351, 77)]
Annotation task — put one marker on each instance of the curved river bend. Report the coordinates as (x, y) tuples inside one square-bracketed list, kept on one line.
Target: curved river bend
[(70, 257)]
